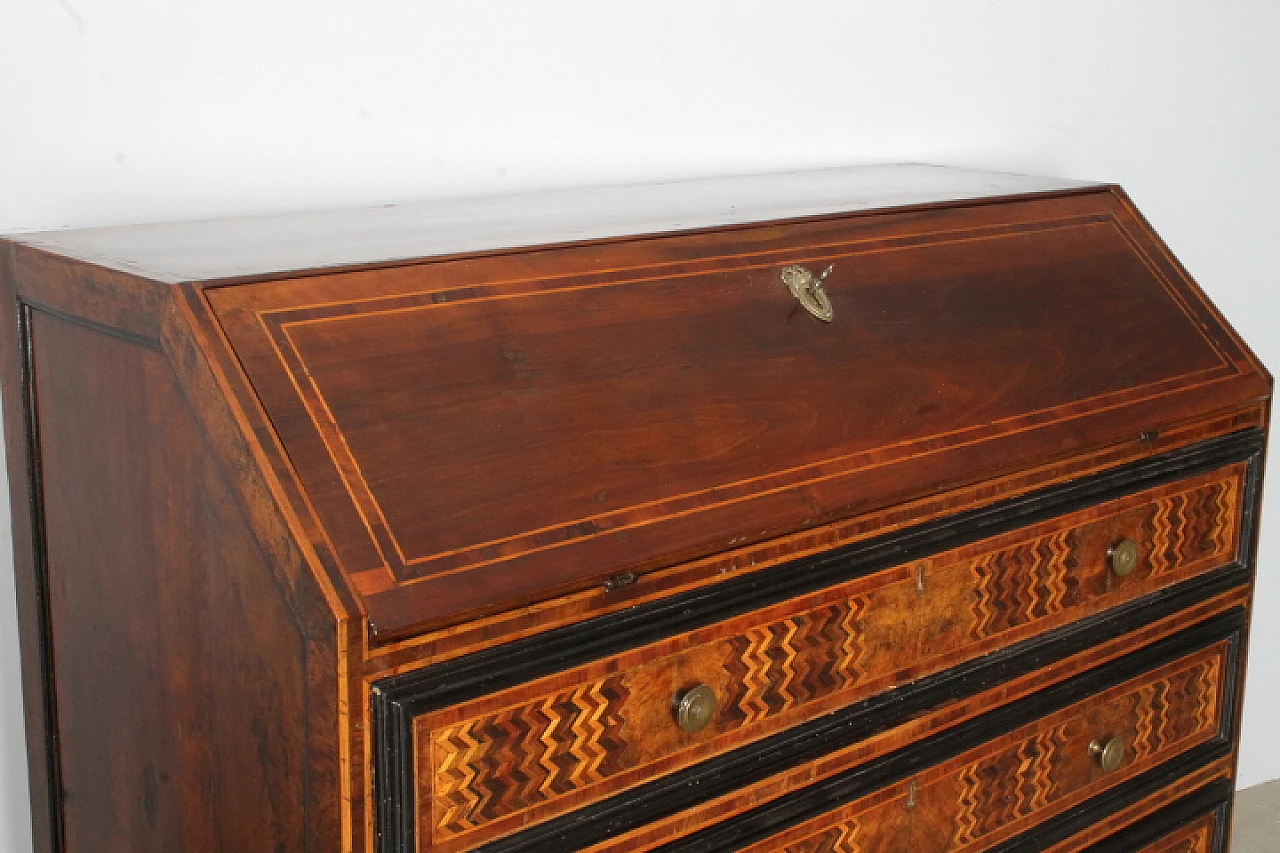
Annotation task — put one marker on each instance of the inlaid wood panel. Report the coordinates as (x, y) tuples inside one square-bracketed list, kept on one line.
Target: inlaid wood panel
[(461, 455), (434, 646), (500, 762), (1195, 798), (1196, 838), (505, 763), (1004, 787)]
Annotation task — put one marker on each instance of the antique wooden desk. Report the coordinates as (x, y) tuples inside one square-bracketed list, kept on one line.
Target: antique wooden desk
[(887, 509)]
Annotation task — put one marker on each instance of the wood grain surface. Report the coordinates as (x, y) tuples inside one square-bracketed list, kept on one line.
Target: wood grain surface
[(261, 246), (443, 644), (518, 468), (262, 468), (166, 633)]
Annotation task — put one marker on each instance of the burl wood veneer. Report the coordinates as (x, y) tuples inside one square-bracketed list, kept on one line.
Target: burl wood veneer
[(863, 510)]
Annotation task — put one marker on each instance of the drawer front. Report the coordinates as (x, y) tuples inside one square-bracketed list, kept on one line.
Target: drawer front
[(1006, 786), (1189, 811), (1196, 838), (475, 435), (505, 761)]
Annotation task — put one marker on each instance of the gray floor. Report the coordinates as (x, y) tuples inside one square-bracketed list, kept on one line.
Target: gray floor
[(1257, 820)]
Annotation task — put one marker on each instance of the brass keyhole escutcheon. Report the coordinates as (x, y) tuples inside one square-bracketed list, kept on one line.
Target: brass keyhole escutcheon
[(695, 708), (807, 289), (1108, 752), (1123, 557)]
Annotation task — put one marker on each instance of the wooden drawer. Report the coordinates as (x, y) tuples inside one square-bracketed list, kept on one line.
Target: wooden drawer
[(990, 796), (756, 792), (504, 761), (1191, 815), (1200, 837)]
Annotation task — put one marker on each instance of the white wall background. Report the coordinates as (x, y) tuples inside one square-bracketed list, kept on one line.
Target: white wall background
[(115, 111)]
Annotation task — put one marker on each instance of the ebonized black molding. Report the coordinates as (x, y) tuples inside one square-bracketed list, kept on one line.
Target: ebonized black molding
[(40, 565), (396, 701), (1214, 797), (807, 803)]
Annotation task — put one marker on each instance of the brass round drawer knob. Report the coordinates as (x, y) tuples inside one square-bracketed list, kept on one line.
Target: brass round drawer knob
[(1108, 752), (695, 708), (1123, 557)]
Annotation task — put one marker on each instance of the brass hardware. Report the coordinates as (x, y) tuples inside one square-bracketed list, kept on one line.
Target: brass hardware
[(911, 795), (1123, 557), (922, 584), (619, 581), (807, 289), (1109, 753), (695, 708)]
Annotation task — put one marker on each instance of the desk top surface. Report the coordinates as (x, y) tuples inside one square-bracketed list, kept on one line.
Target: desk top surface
[(265, 245)]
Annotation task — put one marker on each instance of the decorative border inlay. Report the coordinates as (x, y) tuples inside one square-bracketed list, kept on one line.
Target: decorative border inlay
[(407, 569)]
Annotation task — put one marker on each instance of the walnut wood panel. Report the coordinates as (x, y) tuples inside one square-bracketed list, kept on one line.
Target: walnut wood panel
[(462, 457), (541, 748), (1030, 775), (166, 633)]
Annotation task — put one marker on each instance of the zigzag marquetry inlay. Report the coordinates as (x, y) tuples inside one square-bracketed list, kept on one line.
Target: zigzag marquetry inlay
[(841, 839), (1027, 777), (1010, 786), (1040, 577), (1172, 710), (1033, 773), (494, 766), (1017, 585), (542, 748), (783, 664), (1193, 525)]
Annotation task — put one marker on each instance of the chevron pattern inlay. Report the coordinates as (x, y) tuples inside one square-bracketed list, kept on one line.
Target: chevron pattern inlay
[(1025, 778), (1010, 786), (838, 839), (1018, 585), (1176, 708), (502, 764), (783, 664), (1193, 525)]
